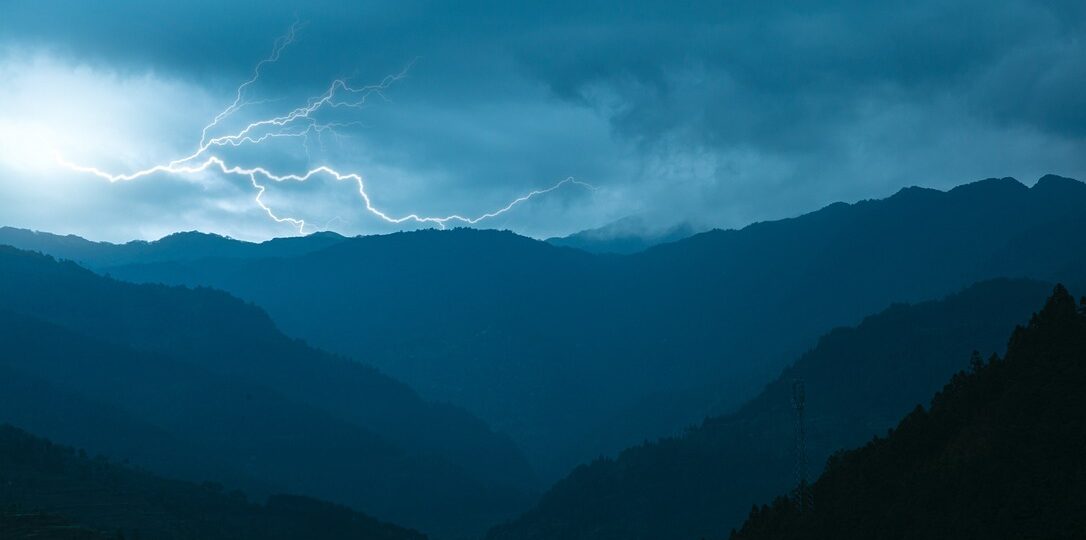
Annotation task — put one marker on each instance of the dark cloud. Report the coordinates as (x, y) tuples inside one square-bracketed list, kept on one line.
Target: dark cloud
[(717, 112), (747, 71)]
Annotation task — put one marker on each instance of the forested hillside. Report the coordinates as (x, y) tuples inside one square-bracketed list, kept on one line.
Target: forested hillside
[(211, 390), (552, 344), (54, 492), (859, 382), (998, 454)]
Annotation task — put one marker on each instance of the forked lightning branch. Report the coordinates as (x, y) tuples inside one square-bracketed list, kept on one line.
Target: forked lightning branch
[(300, 122)]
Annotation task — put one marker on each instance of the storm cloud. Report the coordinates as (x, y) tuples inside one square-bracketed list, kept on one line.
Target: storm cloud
[(719, 114)]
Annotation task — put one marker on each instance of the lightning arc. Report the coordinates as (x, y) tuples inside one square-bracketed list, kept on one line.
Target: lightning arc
[(298, 123)]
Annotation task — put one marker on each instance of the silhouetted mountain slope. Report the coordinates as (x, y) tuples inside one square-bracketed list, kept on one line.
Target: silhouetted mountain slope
[(997, 455), (393, 296), (181, 246), (61, 413), (858, 381), (627, 235), (548, 343), (214, 372), (241, 421), (40, 480)]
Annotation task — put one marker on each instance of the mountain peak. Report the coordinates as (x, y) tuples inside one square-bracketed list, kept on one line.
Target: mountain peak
[(627, 235), (1007, 183), (192, 236), (1052, 181)]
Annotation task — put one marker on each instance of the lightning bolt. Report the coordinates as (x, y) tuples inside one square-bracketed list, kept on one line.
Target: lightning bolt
[(281, 43), (300, 122)]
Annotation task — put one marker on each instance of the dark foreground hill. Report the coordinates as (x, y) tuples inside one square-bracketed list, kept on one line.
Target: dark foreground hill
[(196, 384), (859, 382), (54, 492), (999, 454), (549, 344)]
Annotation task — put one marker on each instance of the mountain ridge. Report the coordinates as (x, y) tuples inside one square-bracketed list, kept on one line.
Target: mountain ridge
[(859, 381), (628, 235), (183, 245), (548, 344), (108, 500), (995, 455), (226, 348)]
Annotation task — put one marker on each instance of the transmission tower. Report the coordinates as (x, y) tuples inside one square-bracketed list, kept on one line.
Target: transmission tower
[(803, 489)]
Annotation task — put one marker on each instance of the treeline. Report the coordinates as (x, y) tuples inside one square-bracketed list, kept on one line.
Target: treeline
[(860, 381), (999, 453)]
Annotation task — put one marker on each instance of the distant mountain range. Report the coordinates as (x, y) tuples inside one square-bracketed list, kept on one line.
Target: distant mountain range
[(627, 235), (554, 346), (102, 500), (858, 382), (997, 455), (182, 246), (196, 384)]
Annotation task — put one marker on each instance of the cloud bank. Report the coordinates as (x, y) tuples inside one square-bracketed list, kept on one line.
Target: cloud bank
[(720, 115)]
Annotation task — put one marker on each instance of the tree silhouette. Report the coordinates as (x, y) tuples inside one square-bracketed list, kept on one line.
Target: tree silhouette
[(997, 455)]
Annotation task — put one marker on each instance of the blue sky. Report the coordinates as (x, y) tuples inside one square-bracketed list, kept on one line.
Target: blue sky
[(715, 113)]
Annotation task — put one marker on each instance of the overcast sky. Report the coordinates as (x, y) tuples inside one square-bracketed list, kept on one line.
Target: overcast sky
[(718, 113)]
